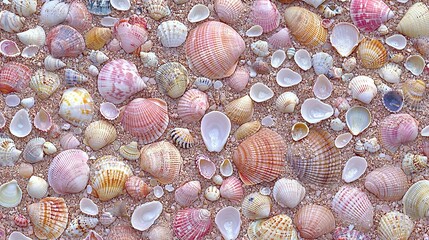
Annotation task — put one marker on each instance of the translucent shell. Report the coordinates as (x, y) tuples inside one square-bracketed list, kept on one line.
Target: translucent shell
[(277, 228), (256, 206), (97, 37), (368, 15), (80, 225), (8, 152), (416, 200), (397, 129), (229, 11), (78, 16), (64, 41), (260, 158), (265, 14), (182, 137), (172, 79), (187, 193), (88, 207), (14, 77), (44, 83), (34, 36), (363, 88), (247, 129), (130, 151), (146, 119), (353, 206), (415, 21), (99, 134), (108, 176), (131, 32), (213, 50), (313, 221), (20, 126), (395, 225), (162, 160), (76, 106), (33, 151), (49, 217), (372, 53), (192, 224), (10, 22), (137, 188), (288, 193), (310, 33), (10, 194), (413, 163), (313, 110), (145, 215), (321, 163), (388, 183), (192, 106), (240, 110), (172, 33), (232, 189), (414, 92)]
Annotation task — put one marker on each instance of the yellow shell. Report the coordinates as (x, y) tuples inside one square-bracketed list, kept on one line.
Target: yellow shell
[(97, 37), (182, 137), (247, 130), (76, 106), (44, 83), (172, 79), (372, 53), (299, 131), (108, 176), (395, 225), (415, 22), (99, 134), (240, 110), (414, 92), (279, 227), (416, 200), (130, 151), (256, 206)]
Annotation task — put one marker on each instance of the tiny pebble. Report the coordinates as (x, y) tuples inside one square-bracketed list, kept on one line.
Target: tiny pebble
[(218, 85), (88, 189), (266, 191), (66, 126)]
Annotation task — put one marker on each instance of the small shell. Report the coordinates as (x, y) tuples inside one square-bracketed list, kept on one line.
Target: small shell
[(254, 31), (358, 119), (52, 64), (415, 20), (76, 106), (415, 200), (342, 233), (121, 5), (114, 45), (313, 221), (239, 79), (20, 126), (206, 167), (49, 148), (256, 206), (397, 41), (314, 111), (15, 235), (10, 194), (8, 152), (395, 225), (172, 79), (226, 168), (299, 131), (393, 101), (192, 224), (322, 88), (157, 10), (10, 22), (415, 64), (228, 11), (383, 29), (329, 10), (288, 78), (413, 163), (130, 151), (99, 134), (87, 206), (109, 110), (343, 139), (172, 33), (218, 123), (198, 13), (107, 218), (228, 222), (247, 129), (372, 53), (44, 83), (187, 193), (260, 48), (397, 129), (182, 137), (159, 232), (9, 48), (43, 121), (137, 188), (69, 141), (37, 187), (281, 39), (232, 189), (149, 59), (277, 227), (30, 51), (288, 193), (12, 100), (363, 88), (93, 235), (192, 106), (93, 70), (212, 193), (97, 57), (414, 92), (34, 36), (21, 221), (64, 41), (265, 14), (80, 225), (303, 59), (390, 73), (422, 46), (387, 183), (33, 151), (25, 170), (278, 58), (322, 63), (202, 83), (240, 110), (260, 92), (286, 102), (355, 167)]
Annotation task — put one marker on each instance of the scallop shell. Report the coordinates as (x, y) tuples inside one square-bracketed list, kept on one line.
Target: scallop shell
[(52, 64), (99, 134), (78, 16), (395, 225), (88, 207), (415, 64), (34, 36), (10, 194), (247, 129), (182, 137), (232, 190), (415, 21), (390, 73), (130, 151), (313, 110), (299, 131), (322, 88), (20, 126), (14, 77), (10, 22), (368, 15), (303, 59), (281, 39), (33, 151), (256, 206), (313, 221), (277, 227), (157, 10), (393, 101), (358, 119), (172, 79), (53, 13), (44, 83), (388, 183), (229, 11), (239, 79), (414, 92), (288, 192), (9, 48), (215, 129), (355, 167), (187, 193), (131, 33), (8, 152), (172, 33), (240, 110), (145, 215), (397, 129), (413, 163), (416, 200), (49, 217), (260, 92), (137, 188), (372, 53), (69, 141), (80, 225), (228, 222), (192, 224), (265, 14), (76, 106), (363, 88), (198, 13), (64, 41), (286, 102)]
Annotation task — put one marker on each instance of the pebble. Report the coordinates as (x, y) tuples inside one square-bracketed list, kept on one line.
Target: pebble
[(217, 85), (266, 191), (66, 126)]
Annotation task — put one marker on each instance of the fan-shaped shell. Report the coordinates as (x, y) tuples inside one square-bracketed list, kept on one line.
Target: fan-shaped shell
[(187, 193), (157, 9), (395, 225), (286, 102), (358, 119), (137, 188), (14, 77), (345, 38), (313, 221), (69, 141), (192, 105), (131, 33), (288, 192), (45, 83), (256, 206), (368, 15), (247, 129), (172, 33), (414, 92), (130, 151), (64, 41), (182, 137), (229, 10), (53, 13), (280, 39), (363, 88), (232, 189), (97, 37), (172, 79), (8, 152), (372, 53), (277, 227), (265, 14), (416, 200), (388, 183), (240, 110), (397, 129), (33, 151), (76, 106), (415, 21), (10, 194), (99, 134), (10, 22), (192, 224), (78, 16)]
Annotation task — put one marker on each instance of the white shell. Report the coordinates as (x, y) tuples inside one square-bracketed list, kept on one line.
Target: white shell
[(397, 41), (27, 103), (172, 33), (337, 125), (52, 64), (10, 194), (198, 13), (303, 59), (20, 126), (288, 78), (226, 168), (121, 5), (158, 191), (343, 139), (30, 51), (2, 121), (145, 215), (108, 21), (87, 206), (49, 148), (288, 192), (215, 129), (109, 110), (34, 36), (425, 132), (390, 72), (322, 63), (37, 187), (24, 7), (53, 13), (212, 193), (314, 3), (149, 59), (286, 102), (260, 92), (15, 235), (33, 151), (322, 88), (363, 88), (313, 110), (344, 38), (358, 119), (206, 167), (278, 58), (415, 64), (93, 70), (228, 222), (43, 121), (12, 100), (260, 48), (254, 31), (355, 167)]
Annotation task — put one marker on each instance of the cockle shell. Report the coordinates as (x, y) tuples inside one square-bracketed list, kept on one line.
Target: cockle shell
[(108, 176), (413, 163), (78, 16), (66, 176), (416, 200), (206, 167), (229, 11), (182, 137), (322, 88), (240, 110), (312, 221), (239, 79), (34, 36), (215, 129), (397, 129), (395, 225), (130, 151), (10, 194), (69, 141), (247, 129), (146, 119), (288, 192), (228, 222), (415, 64), (9, 48), (299, 131), (265, 14), (256, 206), (232, 189), (8, 152), (192, 224), (80, 225), (33, 151), (277, 227), (187, 193), (24, 8), (368, 15), (131, 32), (192, 105), (145, 215), (49, 217), (157, 9), (388, 183), (251, 159), (137, 188), (172, 33), (198, 13), (52, 64), (44, 83), (99, 134), (76, 106), (281, 39), (414, 92), (20, 126), (260, 92), (14, 77), (358, 119), (286, 102), (313, 110), (415, 20), (363, 88), (372, 53), (303, 59), (10, 22), (172, 79), (353, 206), (390, 72), (222, 51), (88, 207), (64, 41), (97, 37)]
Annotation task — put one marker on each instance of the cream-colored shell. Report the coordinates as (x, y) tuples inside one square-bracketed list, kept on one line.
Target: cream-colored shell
[(256, 206), (288, 192), (416, 200), (99, 134), (395, 225), (172, 33), (240, 110)]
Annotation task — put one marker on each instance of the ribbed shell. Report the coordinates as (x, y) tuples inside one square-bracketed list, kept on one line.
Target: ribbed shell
[(64, 41), (256, 206), (265, 14), (313, 221), (130, 151), (395, 225), (69, 141), (76, 106), (99, 134), (108, 176), (172, 79), (240, 110), (78, 16), (368, 15), (305, 26), (415, 21), (315, 158), (33, 151), (162, 160), (146, 119), (80, 225), (229, 11), (97, 37), (397, 129), (131, 33), (192, 106), (49, 217), (182, 137), (239, 79), (345, 233), (388, 183), (363, 88), (187, 193), (416, 200), (232, 189), (172, 33), (414, 163), (372, 53), (192, 224), (10, 22), (288, 193), (44, 83), (119, 232), (137, 188), (14, 77), (213, 50), (260, 158), (414, 91), (279, 227), (247, 129), (8, 152)]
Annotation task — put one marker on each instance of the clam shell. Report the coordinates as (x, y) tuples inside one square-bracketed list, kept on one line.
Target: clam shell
[(372, 53), (20, 126), (286, 102), (395, 225), (415, 201), (131, 33), (313, 221), (182, 137), (69, 141), (15, 235), (78, 16), (397, 41), (8, 152), (387, 183), (415, 20), (192, 223), (256, 206), (302, 58), (299, 131), (397, 129), (247, 129), (232, 190), (229, 11), (43, 121), (80, 225), (24, 8), (363, 88), (158, 10), (9, 48), (159, 232), (277, 227), (240, 110), (172, 79), (108, 21), (145, 215), (109, 110), (206, 167), (390, 73), (10, 194), (260, 92), (228, 222), (192, 105), (12, 100), (226, 168), (278, 58), (288, 192), (368, 15), (130, 151), (76, 106), (355, 167), (215, 129), (212, 193), (322, 88), (99, 134), (15, 77), (187, 193), (415, 64), (121, 5), (198, 13), (53, 13), (265, 14), (393, 101), (413, 163), (33, 151), (64, 41), (239, 79), (10, 22), (414, 92), (288, 78), (172, 33), (254, 31), (314, 111), (49, 217), (137, 188), (88, 207), (34, 36), (358, 119), (281, 39), (52, 64), (44, 83)]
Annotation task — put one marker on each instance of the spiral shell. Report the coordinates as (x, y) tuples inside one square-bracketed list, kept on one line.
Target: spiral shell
[(137, 188), (182, 137), (14, 77), (10, 22), (414, 91), (372, 53), (229, 11), (415, 21), (52, 64), (172, 79), (397, 129), (416, 200), (80, 225), (388, 183), (78, 16), (187, 193), (8, 152), (97, 37), (256, 206), (20, 221), (34, 36), (192, 224), (395, 225), (312, 221), (277, 227), (99, 134), (64, 41), (192, 106), (413, 163), (44, 83), (232, 190), (368, 15), (76, 106), (288, 193)]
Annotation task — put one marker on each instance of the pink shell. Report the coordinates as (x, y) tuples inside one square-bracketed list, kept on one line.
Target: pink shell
[(9, 48), (368, 15), (146, 119), (353, 206), (131, 33), (265, 14), (229, 11), (69, 141), (425, 147), (20, 221), (64, 41), (109, 110), (192, 106), (79, 17), (213, 50), (397, 129), (342, 233), (69, 171), (232, 189), (114, 45), (118, 80), (188, 193), (192, 224), (137, 188), (238, 81), (43, 121), (14, 77), (206, 167), (280, 39)]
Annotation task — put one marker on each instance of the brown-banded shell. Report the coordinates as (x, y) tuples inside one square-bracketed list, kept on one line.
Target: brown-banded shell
[(414, 91), (137, 188), (395, 225), (415, 21), (288, 192), (44, 83), (256, 206), (232, 189), (416, 200), (414, 163), (64, 41), (99, 134), (277, 227), (229, 10), (172, 79), (299, 131), (397, 129), (97, 37), (33, 151), (187, 193), (388, 183), (372, 53), (247, 129), (313, 221), (49, 217), (182, 137), (240, 110), (130, 151), (192, 105)]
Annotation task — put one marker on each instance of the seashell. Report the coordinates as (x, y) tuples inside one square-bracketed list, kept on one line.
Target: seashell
[(337, 125), (226, 168), (109, 21), (30, 51), (397, 41), (313, 221), (299, 131), (78, 16), (414, 91), (251, 159), (256, 206), (52, 64), (368, 15), (131, 33), (215, 129), (20, 126), (109, 110), (206, 167), (415, 200), (355, 167), (217, 179), (8, 48), (192, 105), (198, 13), (303, 59), (372, 53), (107, 218), (88, 207), (53, 13), (21, 221), (228, 222), (240, 110), (182, 137), (415, 20), (422, 46), (93, 235), (43, 121), (123, 233), (277, 227), (349, 64), (149, 59), (254, 31), (69, 141), (348, 233), (49, 148), (278, 58), (341, 104), (34, 36), (8, 152), (281, 39), (172, 79), (49, 217), (15, 77), (99, 134), (322, 63), (76, 106), (99, 7), (247, 129), (329, 10), (202, 83), (415, 64), (80, 225), (358, 119), (395, 225), (114, 45), (260, 92), (2, 121), (33, 151), (15, 235), (387, 183), (353, 206), (12, 100), (363, 88), (157, 10), (383, 29), (121, 5), (413, 163), (97, 37), (145, 215), (93, 71), (260, 48), (64, 41), (10, 194), (26, 103), (313, 110), (286, 102), (390, 73), (187, 193), (130, 151), (393, 101), (10, 22), (24, 8), (192, 223), (229, 11), (397, 129), (309, 34), (37, 187), (265, 14), (224, 50), (137, 188), (288, 192), (44, 83), (322, 88), (159, 231), (239, 79), (212, 193), (232, 190)]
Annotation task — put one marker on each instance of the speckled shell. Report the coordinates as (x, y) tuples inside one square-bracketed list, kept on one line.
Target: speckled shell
[(44, 83), (120, 232), (229, 11), (256, 206), (146, 119), (10, 22), (260, 158), (14, 77), (313, 221), (277, 228), (172, 33), (414, 92), (80, 225), (192, 106), (182, 137), (108, 176), (413, 163), (265, 14), (372, 53), (395, 225), (8, 152), (247, 129), (76, 106), (69, 141), (78, 16), (320, 163), (191, 223), (415, 21), (353, 206), (137, 188), (416, 200), (33, 151), (130, 151), (363, 88), (162, 160), (305, 26), (232, 189), (397, 129), (118, 80), (72, 77), (388, 183), (97, 37), (213, 50), (131, 33), (288, 193), (368, 15), (99, 134), (187, 193), (49, 217), (240, 110), (172, 79), (64, 41)]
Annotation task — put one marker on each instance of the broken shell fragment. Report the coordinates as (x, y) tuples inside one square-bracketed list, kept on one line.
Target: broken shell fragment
[(355, 167), (313, 110), (358, 119), (206, 167), (215, 129)]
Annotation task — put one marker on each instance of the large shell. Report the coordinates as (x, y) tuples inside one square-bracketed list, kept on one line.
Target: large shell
[(240, 110), (78, 16), (363, 88), (187, 193), (372, 53), (8, 152), (97, 37), (215, 129), (33, 151), (64, 41), (10, 22), (265, 14), (305, 26), (10, 194), (108, 176), (213, 50), (44, 83), (131, 32), (53, 12), (256, 206), (20, 126), (99, 134), (388, 183), (229, 10), (76, 106), (192, 106), (172, 79), (395, 225), (288, 192), (14, 77), (146, 119), (416, 200), (34, 36), (312, 221), (172, 33), (260, 158), (320, 163), (313, 110), (415, 21), (358, 119), (49, 217), (368, 15), (192, 224), (232, 190), (397, 129), (162, 160), (277, 228), (414, 92)]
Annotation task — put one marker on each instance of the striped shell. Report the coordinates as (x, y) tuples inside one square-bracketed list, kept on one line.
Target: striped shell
[(34, 36), (368, 15), (413, 163), (172, 79), (414, 91), (44, 83), (247, 129), (97, 37), (64, 41), (72, 77), (76, 106), (372, 53), (10, 194), (192, 106), (172, 33), (99, 134), (229, 11), (415, 21), (187, 193), (416, 200), (130, 151), (212, 193), (33, 151), (137, 188), (395, 225), (182, 137), (239, 79), (277, 228), (191, 223), (14, 77), (363, 88), (265, 14), (240, 110), (10, 22), (281, 39), (78, 16), (388, 183), (288, 193), (256, 206), (232, 189), (52, 64), (397, 129), (313, 221), (8, 152), (69, 141)]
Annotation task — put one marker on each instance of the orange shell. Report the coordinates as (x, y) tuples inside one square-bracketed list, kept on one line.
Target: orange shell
[(372, 53), (137, 188), (313, 221)]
